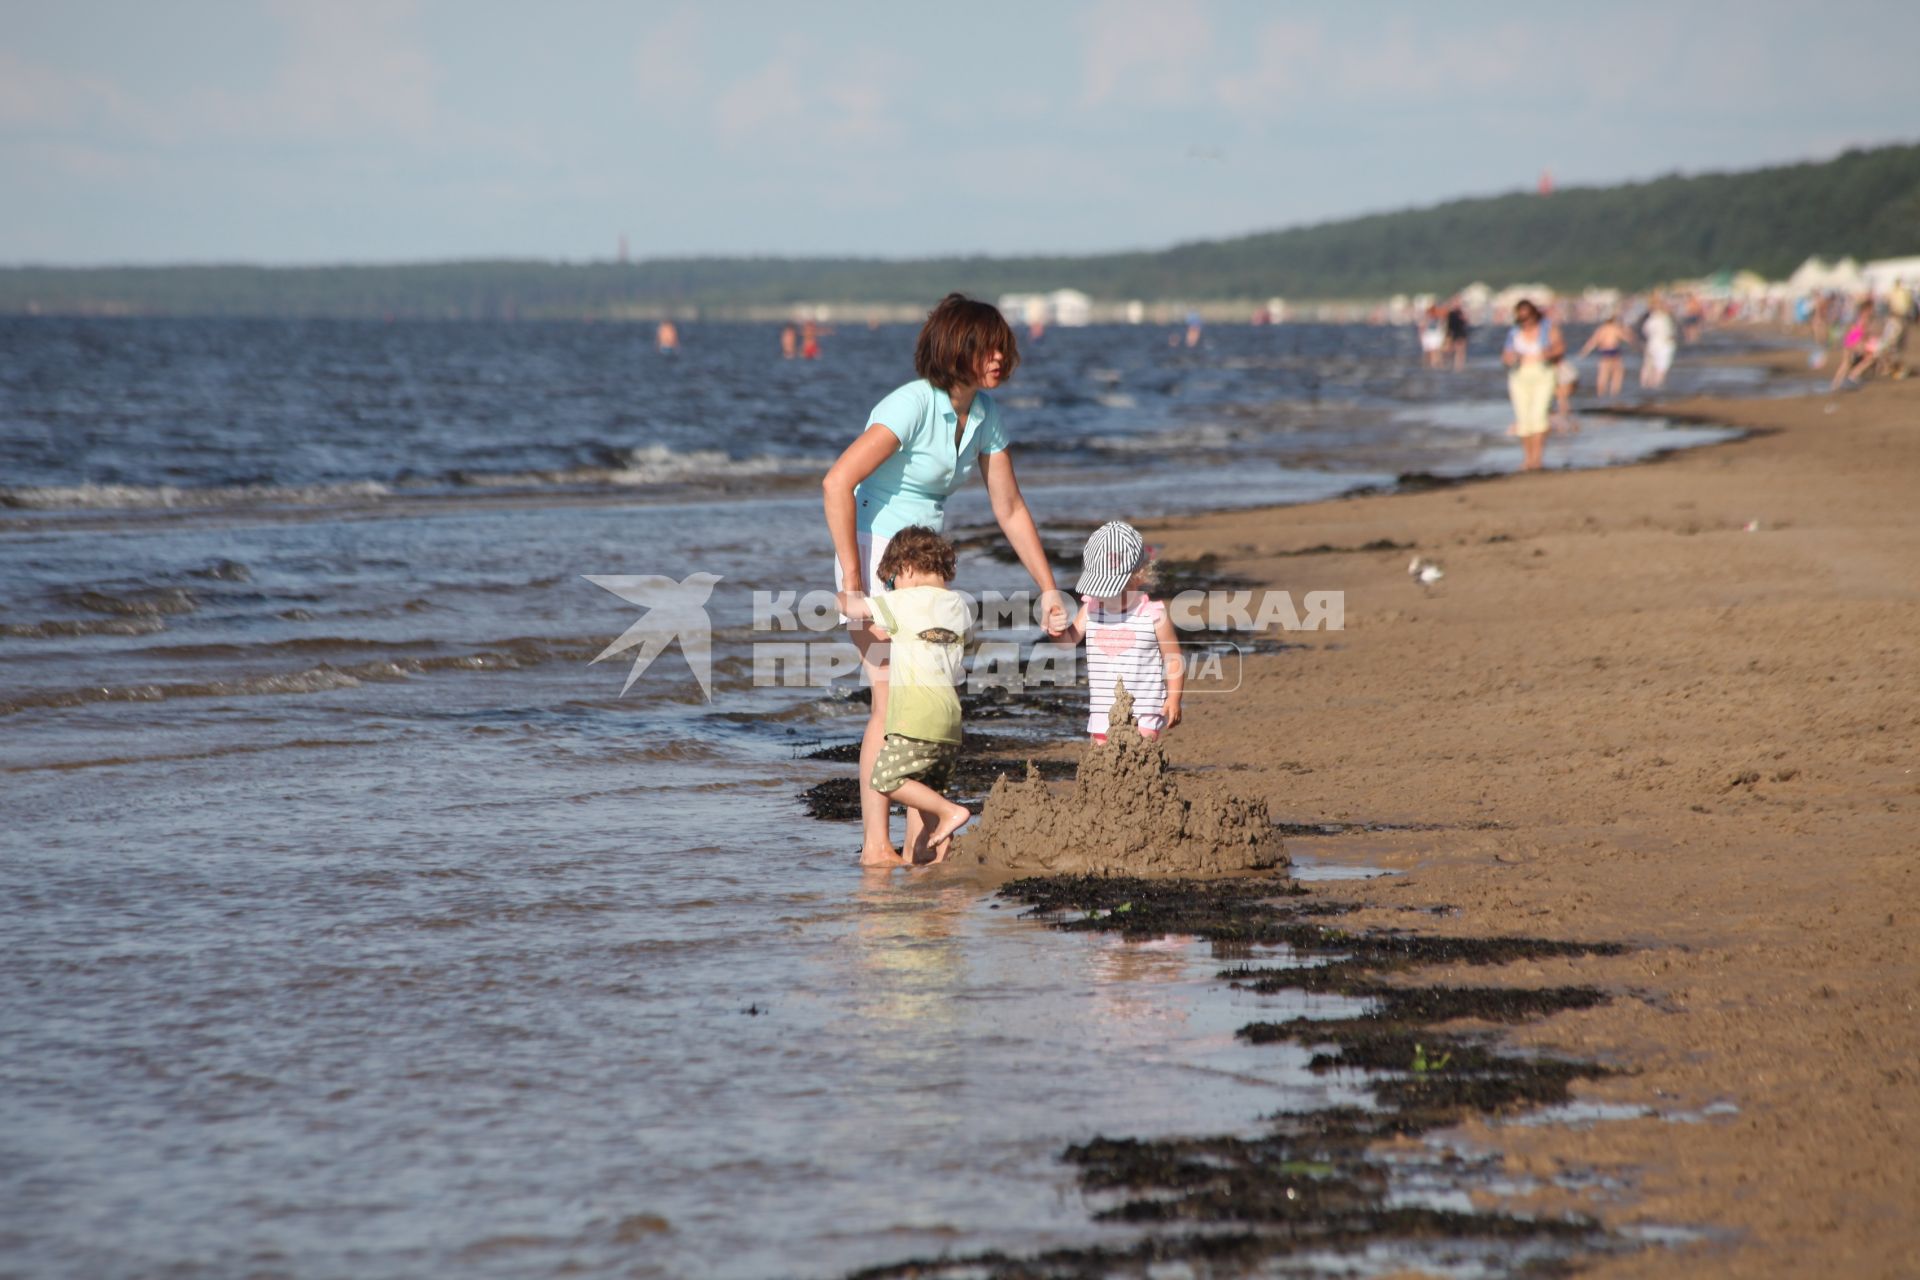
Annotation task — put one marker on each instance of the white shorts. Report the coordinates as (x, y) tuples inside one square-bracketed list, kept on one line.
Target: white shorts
[(1660, 355), (871, 549)]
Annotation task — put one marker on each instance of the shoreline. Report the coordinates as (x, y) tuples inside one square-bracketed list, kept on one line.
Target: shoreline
[(1691, 739)]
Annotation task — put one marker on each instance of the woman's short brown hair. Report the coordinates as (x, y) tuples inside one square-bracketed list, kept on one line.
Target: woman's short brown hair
[(916, 547), (958, 334)]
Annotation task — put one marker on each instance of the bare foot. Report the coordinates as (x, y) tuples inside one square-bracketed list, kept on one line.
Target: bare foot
[(886, 857), (940, 839)]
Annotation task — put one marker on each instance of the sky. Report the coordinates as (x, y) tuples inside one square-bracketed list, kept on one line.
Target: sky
[(324, 131)]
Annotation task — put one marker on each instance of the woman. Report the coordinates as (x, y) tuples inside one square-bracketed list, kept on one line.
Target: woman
[(1660, 333), (1610, 342), (923, 442), (1533, 347)]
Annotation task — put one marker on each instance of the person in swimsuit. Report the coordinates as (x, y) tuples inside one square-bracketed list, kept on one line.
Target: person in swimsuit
[(1457, 330), (1609, 345)]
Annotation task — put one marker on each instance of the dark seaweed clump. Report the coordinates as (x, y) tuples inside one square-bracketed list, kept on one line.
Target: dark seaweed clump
[(1311, 1183)]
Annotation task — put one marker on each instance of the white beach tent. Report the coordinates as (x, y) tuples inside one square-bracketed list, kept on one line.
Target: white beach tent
[(1883, 273), (1070, 307), (1539, 294), (1816, 276), (1023, 308)]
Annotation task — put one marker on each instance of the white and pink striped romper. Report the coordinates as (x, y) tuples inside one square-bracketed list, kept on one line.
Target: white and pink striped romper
[(1121, 646)]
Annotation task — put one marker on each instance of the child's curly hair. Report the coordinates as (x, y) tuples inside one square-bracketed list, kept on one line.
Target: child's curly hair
[(920, 548)]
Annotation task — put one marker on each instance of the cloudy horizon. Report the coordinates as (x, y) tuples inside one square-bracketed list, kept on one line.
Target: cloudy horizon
[(287, 132)]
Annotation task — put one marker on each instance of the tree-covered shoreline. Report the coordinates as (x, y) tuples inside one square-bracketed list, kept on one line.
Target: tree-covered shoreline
[(1864, 203)]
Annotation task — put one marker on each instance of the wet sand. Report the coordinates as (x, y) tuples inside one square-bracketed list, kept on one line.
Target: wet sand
[(1634, 720)]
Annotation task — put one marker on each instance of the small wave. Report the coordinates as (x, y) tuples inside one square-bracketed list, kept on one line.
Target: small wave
[(321, 679), (67, 627), (170, 601), (211, 753), (681, 749), (169, 497), (519, 651), (645, 466), (649, 465), (1204, 435), (315, 680), (223, 571)]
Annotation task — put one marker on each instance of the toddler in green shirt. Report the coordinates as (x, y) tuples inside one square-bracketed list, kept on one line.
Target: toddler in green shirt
[(925, 625)]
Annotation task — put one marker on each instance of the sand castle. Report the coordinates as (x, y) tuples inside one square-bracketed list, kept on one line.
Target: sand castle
[(1125, 813)]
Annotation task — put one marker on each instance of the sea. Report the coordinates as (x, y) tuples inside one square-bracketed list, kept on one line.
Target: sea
[(358, 922)]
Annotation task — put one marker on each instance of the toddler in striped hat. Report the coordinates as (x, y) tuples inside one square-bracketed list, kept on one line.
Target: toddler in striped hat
[(1129, 638)]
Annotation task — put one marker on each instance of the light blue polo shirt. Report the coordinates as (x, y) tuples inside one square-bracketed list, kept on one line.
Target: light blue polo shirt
[(912, 485)]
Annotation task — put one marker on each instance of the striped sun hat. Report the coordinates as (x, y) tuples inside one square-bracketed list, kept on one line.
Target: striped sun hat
[(1114, 551)]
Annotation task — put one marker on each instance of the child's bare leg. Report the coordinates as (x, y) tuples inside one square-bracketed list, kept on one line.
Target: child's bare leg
[(941, 817), (876, 843)]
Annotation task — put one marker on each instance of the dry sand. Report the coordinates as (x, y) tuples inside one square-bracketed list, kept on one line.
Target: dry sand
[(1694, 738)]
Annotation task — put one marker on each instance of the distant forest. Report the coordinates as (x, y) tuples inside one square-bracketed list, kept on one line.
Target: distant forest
[(1863, 203)]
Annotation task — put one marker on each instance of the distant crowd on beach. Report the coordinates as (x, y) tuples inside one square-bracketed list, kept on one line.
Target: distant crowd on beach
[(1863, 335)]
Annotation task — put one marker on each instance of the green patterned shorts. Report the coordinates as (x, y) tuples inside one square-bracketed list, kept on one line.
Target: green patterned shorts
[(902, 758)]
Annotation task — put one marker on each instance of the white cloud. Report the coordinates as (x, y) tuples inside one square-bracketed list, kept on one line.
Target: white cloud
[(666, 65), (807, 97), (350, 73), (1144, 51), (354, 69), (39, 99)]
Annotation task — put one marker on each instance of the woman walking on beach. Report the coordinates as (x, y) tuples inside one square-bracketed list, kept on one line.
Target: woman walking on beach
[(1609, 344), (921, 443), (1533, 347)]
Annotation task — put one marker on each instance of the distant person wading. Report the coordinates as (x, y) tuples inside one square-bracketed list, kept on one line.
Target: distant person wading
[(921, 443)]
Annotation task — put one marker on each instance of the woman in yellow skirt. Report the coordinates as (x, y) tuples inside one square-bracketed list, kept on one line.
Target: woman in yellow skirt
[(1533, 348)]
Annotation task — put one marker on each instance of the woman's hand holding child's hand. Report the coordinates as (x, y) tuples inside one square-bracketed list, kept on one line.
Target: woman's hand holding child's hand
[(1053, 612)]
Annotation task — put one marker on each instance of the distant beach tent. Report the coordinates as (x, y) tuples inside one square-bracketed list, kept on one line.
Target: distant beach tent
[(1071, 308), (1596, 300), (1023, 308), (1816, 276), (1503, 301), (1068, 308), (1883, 273)]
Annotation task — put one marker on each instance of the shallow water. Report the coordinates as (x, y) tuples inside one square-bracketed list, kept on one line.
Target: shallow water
[(357, 925)]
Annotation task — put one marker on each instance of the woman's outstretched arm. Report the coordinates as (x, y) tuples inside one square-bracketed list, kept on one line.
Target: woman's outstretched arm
[(1010, 511)]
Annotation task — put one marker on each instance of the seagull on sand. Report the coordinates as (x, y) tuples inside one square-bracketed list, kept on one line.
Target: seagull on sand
[(1424, 571)]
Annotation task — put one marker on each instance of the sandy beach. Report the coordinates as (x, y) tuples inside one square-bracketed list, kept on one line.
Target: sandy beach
[(1669, 705)]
